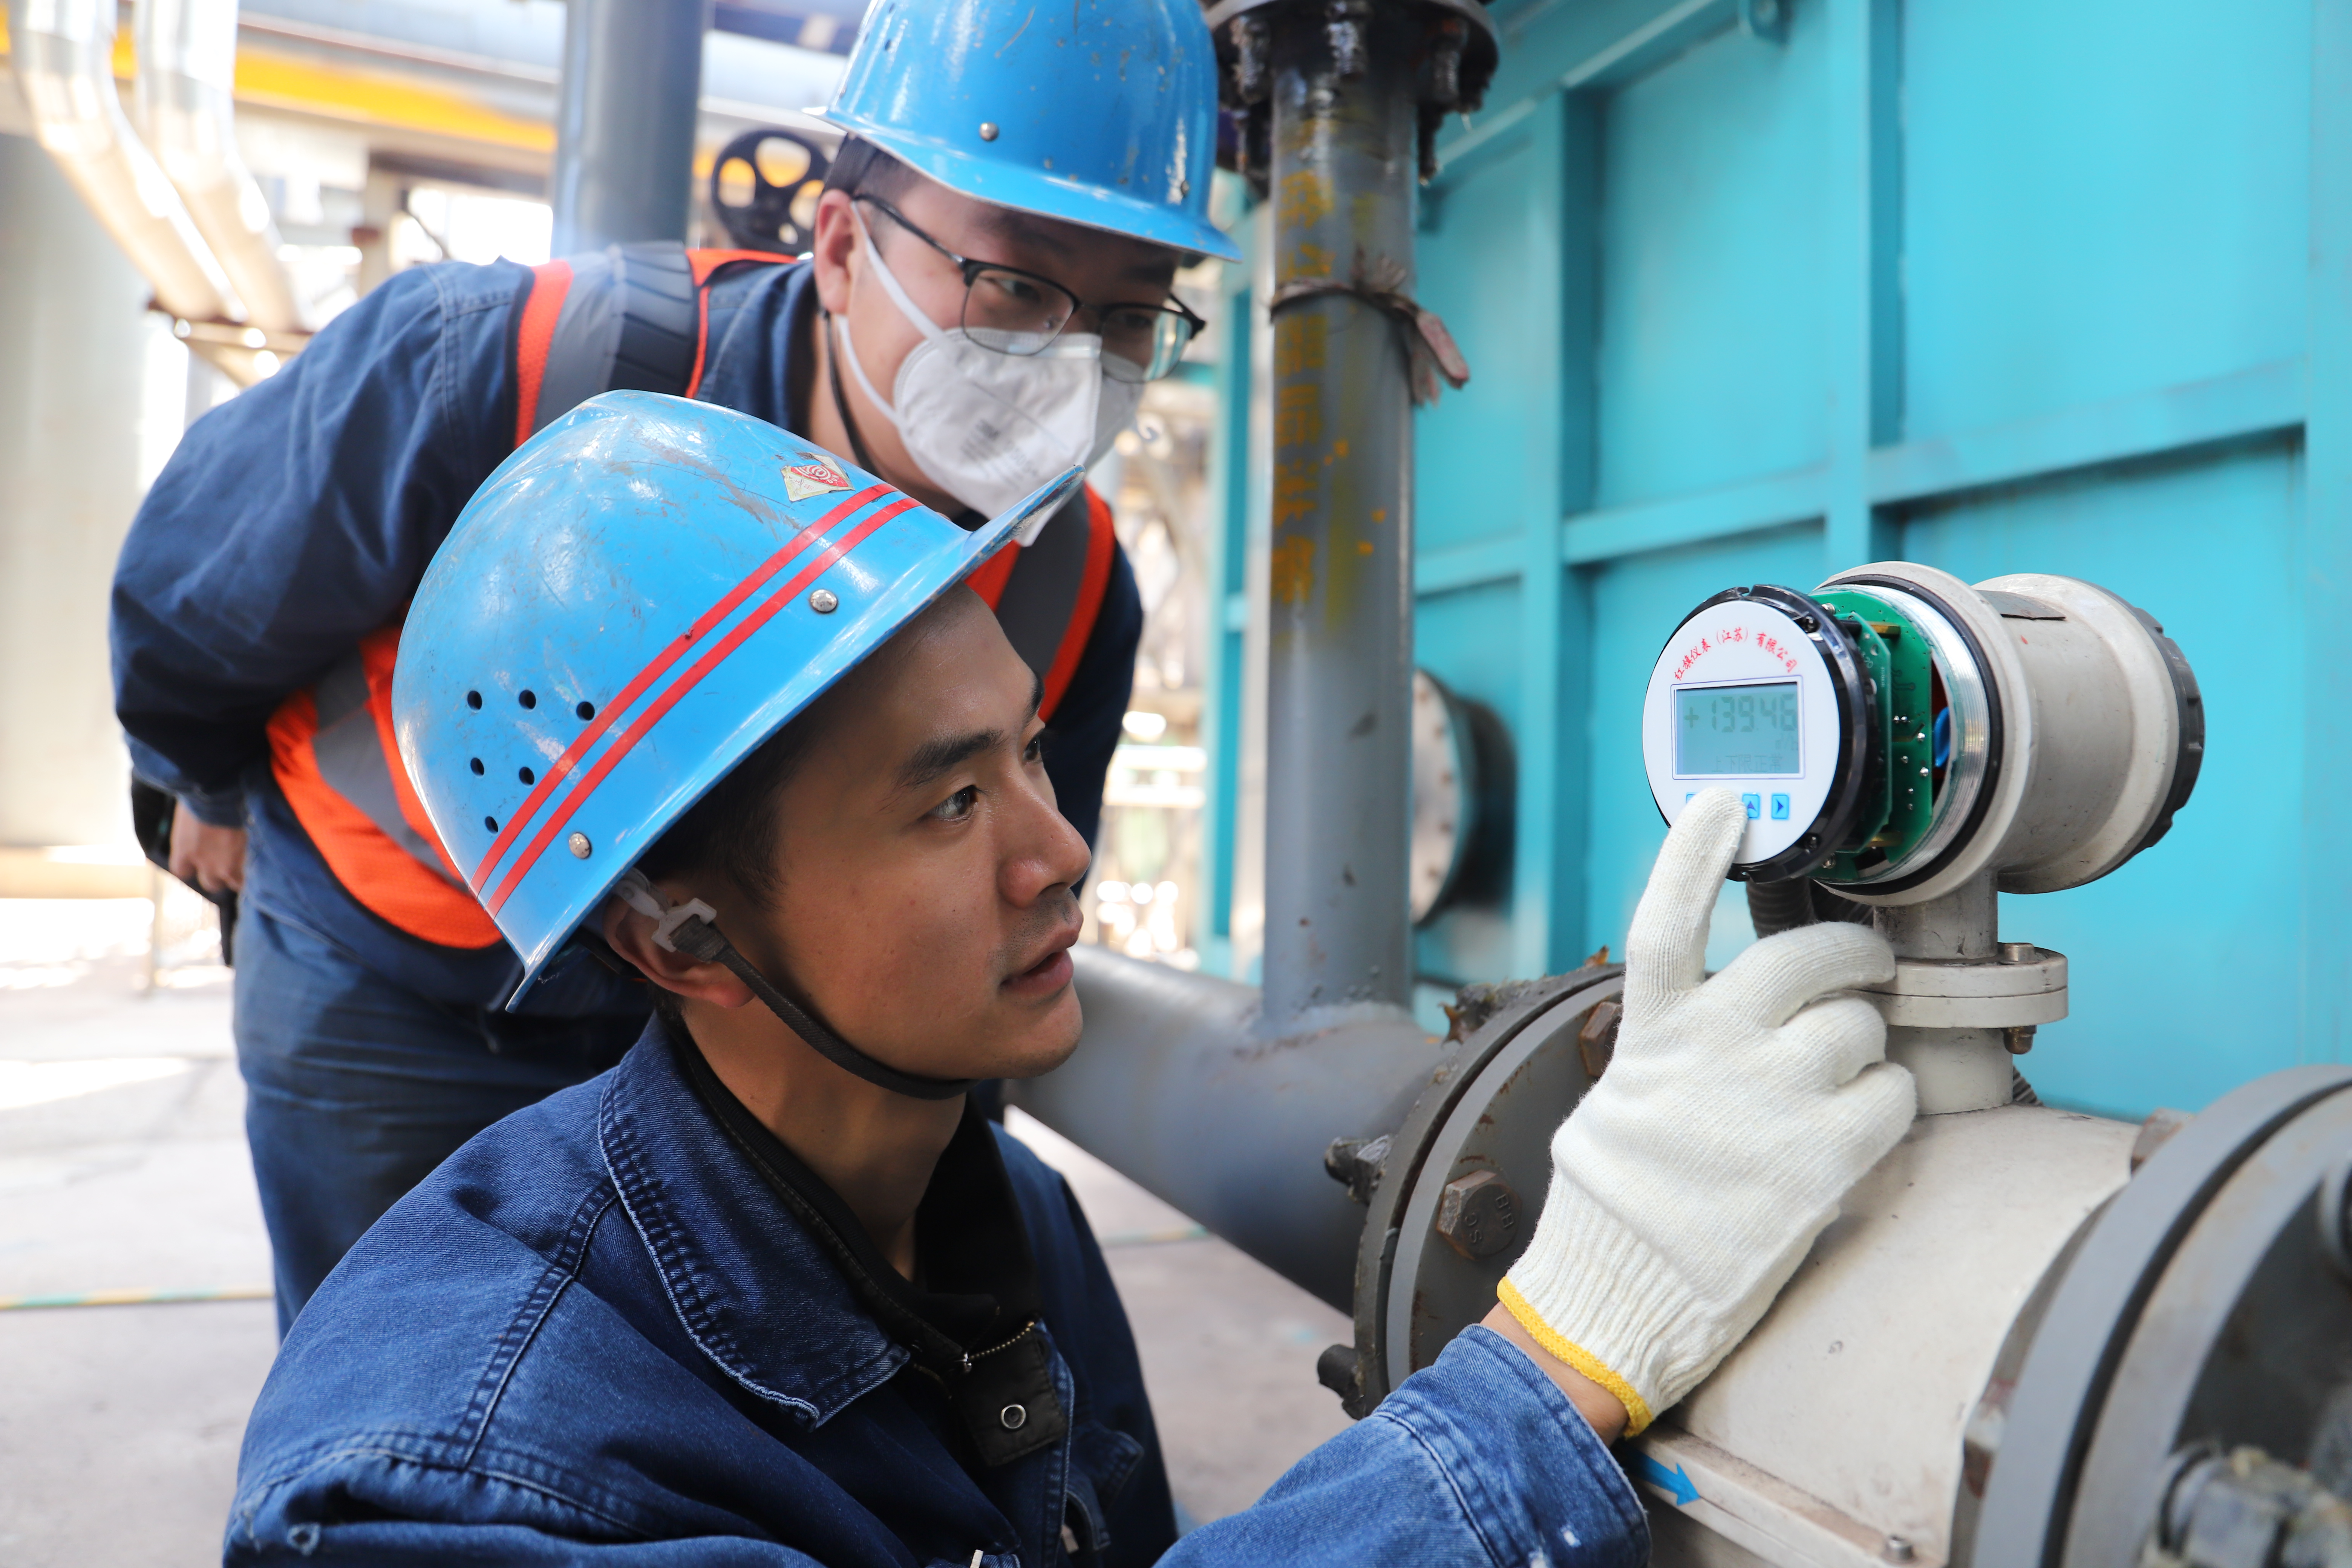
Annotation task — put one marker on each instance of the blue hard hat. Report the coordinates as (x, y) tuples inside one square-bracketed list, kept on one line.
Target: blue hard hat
[(1104, 113), (642, 593)]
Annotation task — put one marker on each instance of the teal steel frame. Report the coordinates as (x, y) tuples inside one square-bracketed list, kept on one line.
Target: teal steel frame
[(1523, 547)]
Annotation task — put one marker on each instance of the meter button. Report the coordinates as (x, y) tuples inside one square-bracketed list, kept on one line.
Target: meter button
[(1755, 803), (1779, 808)]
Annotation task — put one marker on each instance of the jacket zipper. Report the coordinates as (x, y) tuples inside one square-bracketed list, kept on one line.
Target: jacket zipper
[(970, 1356)]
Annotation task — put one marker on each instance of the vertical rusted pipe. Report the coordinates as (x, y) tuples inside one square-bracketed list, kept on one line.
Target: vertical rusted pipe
[(1342, 178)]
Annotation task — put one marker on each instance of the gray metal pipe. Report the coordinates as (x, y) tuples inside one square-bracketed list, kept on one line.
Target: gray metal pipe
[(1174, 1086), (625, 124), (1339, 670)]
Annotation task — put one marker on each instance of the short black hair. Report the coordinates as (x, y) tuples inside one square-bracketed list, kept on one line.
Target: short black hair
[(861, 168), (733, 829)]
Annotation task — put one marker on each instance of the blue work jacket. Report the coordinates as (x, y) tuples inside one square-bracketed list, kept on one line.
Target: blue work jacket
[(300, 516), (595, 1335)]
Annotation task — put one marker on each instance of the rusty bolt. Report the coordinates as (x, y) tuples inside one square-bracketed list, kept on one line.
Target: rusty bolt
[(2155, 1133), (1356, 1164), (1596, 1042), (1348, 23), (1252, 51), (1445, 62), (1479, 1215)]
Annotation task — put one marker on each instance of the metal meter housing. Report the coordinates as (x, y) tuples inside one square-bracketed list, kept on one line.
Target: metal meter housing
[(2035, 728), (1762, 690)]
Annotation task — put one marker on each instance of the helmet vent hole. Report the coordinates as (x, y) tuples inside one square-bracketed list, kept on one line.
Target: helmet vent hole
[(587, 711), (473, 699), (525, 775), (527, 699), (476, 763), (491, 823)]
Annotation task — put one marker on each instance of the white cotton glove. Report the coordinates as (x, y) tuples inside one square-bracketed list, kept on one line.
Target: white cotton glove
[(1688, 1183)]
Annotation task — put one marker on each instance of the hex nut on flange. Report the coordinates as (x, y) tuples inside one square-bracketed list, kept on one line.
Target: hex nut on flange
[(1479, 1215)]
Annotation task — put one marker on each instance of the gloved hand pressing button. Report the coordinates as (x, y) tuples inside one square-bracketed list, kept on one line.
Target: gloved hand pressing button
[(1736, 1110)]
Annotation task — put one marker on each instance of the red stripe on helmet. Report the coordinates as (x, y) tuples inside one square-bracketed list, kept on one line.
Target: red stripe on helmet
[(676, 689), (678, 649)]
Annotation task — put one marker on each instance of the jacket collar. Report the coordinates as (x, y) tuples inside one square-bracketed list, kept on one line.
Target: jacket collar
[(754, 1291)]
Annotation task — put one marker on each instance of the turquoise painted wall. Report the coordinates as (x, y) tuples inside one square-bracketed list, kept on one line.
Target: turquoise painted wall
[(1996, 285)]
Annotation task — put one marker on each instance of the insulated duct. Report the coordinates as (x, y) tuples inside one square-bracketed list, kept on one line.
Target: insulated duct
[(63, 52), (187, 85)]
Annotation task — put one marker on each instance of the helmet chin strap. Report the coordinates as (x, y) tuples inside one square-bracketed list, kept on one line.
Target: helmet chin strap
[(691, 928)]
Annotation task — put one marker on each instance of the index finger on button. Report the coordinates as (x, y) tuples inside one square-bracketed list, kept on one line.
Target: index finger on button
[(1666, 951)]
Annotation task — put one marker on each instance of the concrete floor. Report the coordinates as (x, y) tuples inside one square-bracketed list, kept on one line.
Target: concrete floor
[(123, 1169)]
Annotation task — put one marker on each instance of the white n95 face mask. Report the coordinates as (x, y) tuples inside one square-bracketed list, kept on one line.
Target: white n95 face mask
[(989, 428)]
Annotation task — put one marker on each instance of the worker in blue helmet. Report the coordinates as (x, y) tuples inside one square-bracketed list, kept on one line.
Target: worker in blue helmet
[(990, 292), (681, 690)]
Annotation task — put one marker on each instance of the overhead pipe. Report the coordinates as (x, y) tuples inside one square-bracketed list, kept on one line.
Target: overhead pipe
[(1222, 1101), (625, 121), (186, 97), (63, 54)]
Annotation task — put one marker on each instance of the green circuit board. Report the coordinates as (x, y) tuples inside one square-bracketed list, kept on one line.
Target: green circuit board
[(1899, 802)]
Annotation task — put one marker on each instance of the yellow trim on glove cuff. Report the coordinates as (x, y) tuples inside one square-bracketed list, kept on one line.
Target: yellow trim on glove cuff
[(1637, 1409)]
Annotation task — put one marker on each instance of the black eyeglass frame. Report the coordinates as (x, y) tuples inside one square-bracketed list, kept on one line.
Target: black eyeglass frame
[(971, 270)]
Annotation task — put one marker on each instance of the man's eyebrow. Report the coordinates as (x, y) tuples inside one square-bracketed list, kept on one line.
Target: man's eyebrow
[(1011, 228), (942, 754)]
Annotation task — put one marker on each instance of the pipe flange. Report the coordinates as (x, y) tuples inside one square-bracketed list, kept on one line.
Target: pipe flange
[(1422, 1273), (1456, 55), (2089, 1336), (2029, 988)]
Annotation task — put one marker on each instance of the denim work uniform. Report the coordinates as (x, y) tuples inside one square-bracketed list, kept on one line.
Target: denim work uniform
[(293, 522), (603, 1332)]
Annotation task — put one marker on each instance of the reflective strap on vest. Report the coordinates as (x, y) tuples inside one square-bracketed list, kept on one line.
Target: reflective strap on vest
[(332, 753), (628, 318), (1048, 593)]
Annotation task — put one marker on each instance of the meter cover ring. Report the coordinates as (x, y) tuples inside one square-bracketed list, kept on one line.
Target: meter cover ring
[(1959, 843), (1857, 736)]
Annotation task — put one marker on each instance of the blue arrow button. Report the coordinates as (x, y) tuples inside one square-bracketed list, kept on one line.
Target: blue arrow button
[(1674, 1483)]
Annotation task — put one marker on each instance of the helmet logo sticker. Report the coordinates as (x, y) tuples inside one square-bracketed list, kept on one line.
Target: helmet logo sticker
[(802, 480)]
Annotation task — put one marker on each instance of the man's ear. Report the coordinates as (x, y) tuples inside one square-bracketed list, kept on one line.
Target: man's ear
[(833, 250), (631, 936)]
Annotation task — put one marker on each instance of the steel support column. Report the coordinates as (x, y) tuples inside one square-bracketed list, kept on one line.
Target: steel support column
[(624, 126)]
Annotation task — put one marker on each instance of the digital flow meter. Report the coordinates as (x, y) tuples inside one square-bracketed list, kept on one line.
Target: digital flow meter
[(1897, 732)]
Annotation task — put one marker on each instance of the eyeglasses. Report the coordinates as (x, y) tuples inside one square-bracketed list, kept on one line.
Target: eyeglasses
[(1017, 312)]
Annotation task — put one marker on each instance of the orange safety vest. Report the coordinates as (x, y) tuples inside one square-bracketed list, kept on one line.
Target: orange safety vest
[(637, 318)]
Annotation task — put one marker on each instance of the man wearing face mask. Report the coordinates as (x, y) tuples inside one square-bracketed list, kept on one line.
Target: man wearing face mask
[(989, 294)]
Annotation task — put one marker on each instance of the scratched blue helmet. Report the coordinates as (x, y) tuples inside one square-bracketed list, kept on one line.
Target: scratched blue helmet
[(640, 596), (1101, 113)]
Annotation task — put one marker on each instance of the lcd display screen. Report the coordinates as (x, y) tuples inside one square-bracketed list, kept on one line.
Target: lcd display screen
[(1737, 731)]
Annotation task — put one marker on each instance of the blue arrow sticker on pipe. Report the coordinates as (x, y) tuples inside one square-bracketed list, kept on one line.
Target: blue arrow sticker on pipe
[(1676, 1483)]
